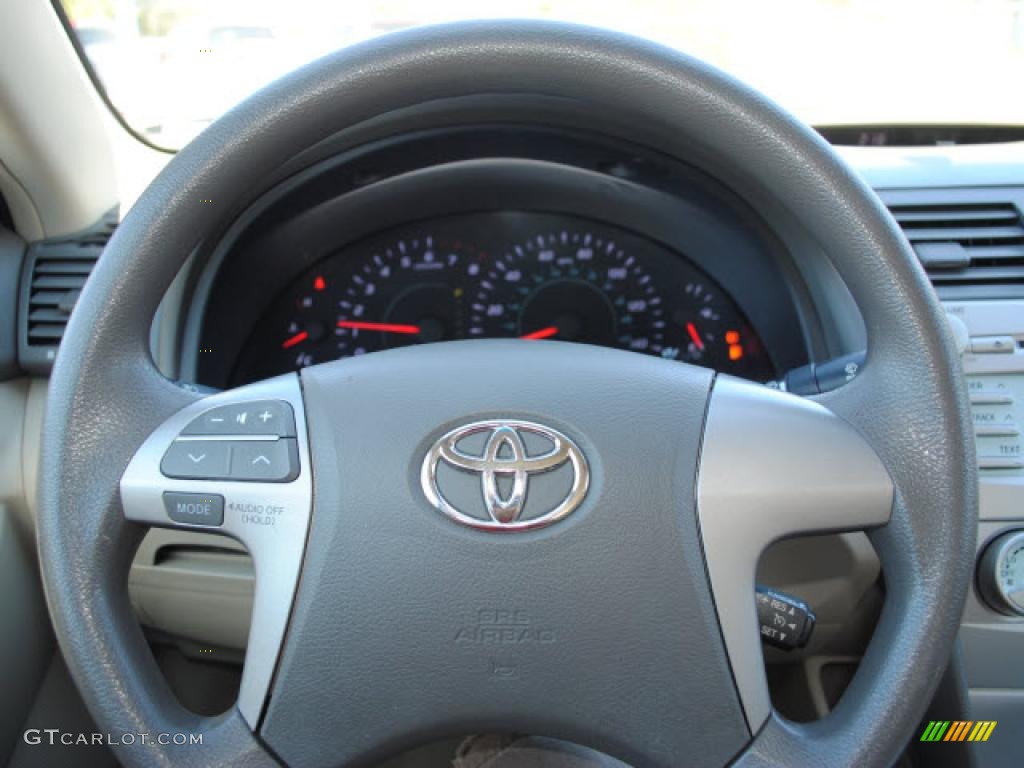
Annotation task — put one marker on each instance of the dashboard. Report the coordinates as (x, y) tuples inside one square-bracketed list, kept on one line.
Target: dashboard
[(513, 274)]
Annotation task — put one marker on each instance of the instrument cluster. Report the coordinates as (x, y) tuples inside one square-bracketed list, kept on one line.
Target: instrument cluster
[(532, 276)]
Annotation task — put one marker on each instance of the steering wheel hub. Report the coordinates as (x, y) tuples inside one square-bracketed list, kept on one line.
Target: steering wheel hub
[(505, 459)]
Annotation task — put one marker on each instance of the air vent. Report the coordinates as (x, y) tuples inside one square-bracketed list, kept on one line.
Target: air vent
[(970, 244), (58, 276), (57, 271)]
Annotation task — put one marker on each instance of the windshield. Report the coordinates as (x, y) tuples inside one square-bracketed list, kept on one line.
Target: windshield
[(170, 67)]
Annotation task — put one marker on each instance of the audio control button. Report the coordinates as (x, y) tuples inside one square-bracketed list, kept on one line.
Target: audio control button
[(991, 398), (195, 508), (275, 461), (996, 430), (255, 417), (197, 460), (999, 462), (993, 345)]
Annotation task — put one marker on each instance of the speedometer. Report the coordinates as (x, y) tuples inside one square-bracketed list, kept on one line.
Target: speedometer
[(573, 287), (613, 290)]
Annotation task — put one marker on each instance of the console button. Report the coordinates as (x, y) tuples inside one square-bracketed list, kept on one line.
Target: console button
[(255, 417), (197, 460), (999, 462), (195, 508), (989, 345), (269, 461), (996, 430), (990, 398)]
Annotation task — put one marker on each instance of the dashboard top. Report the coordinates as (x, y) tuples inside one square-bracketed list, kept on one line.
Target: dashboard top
[(952, 167)]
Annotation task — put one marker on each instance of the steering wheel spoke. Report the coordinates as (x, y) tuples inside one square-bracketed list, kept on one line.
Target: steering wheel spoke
[(774, 465), (236, 464)]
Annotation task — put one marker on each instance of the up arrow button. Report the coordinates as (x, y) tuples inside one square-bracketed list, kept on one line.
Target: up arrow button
[(269, 461)]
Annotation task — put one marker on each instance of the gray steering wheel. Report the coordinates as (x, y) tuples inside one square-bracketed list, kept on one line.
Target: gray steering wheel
[(627, 624)]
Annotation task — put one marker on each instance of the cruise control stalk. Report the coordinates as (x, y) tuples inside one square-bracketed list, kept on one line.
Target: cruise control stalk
[(784, 621), (815, 378)]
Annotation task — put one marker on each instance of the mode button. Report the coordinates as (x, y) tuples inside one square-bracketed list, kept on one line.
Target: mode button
[(195, 508)]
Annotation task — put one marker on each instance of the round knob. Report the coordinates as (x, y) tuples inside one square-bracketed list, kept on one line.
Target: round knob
[(1001, 573)]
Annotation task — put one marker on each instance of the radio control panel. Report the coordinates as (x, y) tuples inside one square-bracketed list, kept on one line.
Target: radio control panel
[(992, 353)]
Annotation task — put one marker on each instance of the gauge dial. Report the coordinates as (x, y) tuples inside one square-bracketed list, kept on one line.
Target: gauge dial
[(570, 287), (1001, 573), (407, 291), (1011, 575), (613, 290)]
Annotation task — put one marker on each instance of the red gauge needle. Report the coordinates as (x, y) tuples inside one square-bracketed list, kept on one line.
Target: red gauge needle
[(694, 336), (543, 333), (298, 338), (359, 325)]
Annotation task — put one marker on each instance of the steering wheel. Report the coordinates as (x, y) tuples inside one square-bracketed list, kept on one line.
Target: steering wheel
[(607, 596)]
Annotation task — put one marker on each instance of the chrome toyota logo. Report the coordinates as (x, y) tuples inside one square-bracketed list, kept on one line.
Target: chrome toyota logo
[(505, 468)]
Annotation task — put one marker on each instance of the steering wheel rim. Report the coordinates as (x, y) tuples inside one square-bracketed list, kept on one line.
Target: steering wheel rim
[(909, 403)]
